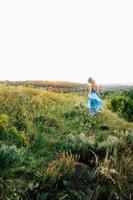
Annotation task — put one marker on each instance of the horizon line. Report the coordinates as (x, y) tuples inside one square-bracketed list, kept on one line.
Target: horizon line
[(104, 83)]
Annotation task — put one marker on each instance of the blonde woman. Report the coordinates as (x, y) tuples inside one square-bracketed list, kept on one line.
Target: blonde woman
[(94, 102)]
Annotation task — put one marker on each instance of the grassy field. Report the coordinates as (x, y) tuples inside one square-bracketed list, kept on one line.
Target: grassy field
[(51, 148)]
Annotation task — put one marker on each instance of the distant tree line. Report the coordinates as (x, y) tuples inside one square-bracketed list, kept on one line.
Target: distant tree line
[(65, 86)]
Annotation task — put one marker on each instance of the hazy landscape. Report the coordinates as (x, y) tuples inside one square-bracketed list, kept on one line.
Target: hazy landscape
[(51, 148), (67, 86), (61, 139)]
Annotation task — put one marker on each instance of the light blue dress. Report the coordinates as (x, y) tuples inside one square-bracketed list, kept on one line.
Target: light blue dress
[(94, 103)]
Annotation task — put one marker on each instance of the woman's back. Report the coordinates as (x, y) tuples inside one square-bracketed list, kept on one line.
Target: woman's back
[(94, 102), (94, 88)]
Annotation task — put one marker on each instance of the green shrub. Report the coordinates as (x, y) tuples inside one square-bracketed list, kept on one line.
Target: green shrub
[(9, 155), (110, 142), (44, 121), (3, 131), (123, 105), (80, 142), (129, 136)]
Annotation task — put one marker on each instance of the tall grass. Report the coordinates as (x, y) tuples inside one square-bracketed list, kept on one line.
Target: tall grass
[(44, 135)]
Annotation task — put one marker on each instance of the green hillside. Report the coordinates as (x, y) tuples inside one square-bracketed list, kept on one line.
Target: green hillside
[(51, 148)]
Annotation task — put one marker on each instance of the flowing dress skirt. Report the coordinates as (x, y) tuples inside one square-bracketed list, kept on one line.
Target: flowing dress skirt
[(94, 103)]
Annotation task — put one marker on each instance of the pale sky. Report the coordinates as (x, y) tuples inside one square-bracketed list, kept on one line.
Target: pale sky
[(66, 40)]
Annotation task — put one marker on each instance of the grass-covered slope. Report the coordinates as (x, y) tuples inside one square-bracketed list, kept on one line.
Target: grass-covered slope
[(51, 148)]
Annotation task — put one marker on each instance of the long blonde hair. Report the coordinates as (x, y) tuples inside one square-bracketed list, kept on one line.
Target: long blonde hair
[(93, 83)]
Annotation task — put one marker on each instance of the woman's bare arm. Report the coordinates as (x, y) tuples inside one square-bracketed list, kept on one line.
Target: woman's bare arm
[(90, 88), (98, 90)]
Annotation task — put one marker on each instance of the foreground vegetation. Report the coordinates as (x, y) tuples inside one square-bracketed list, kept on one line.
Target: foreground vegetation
[(51, 148)]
